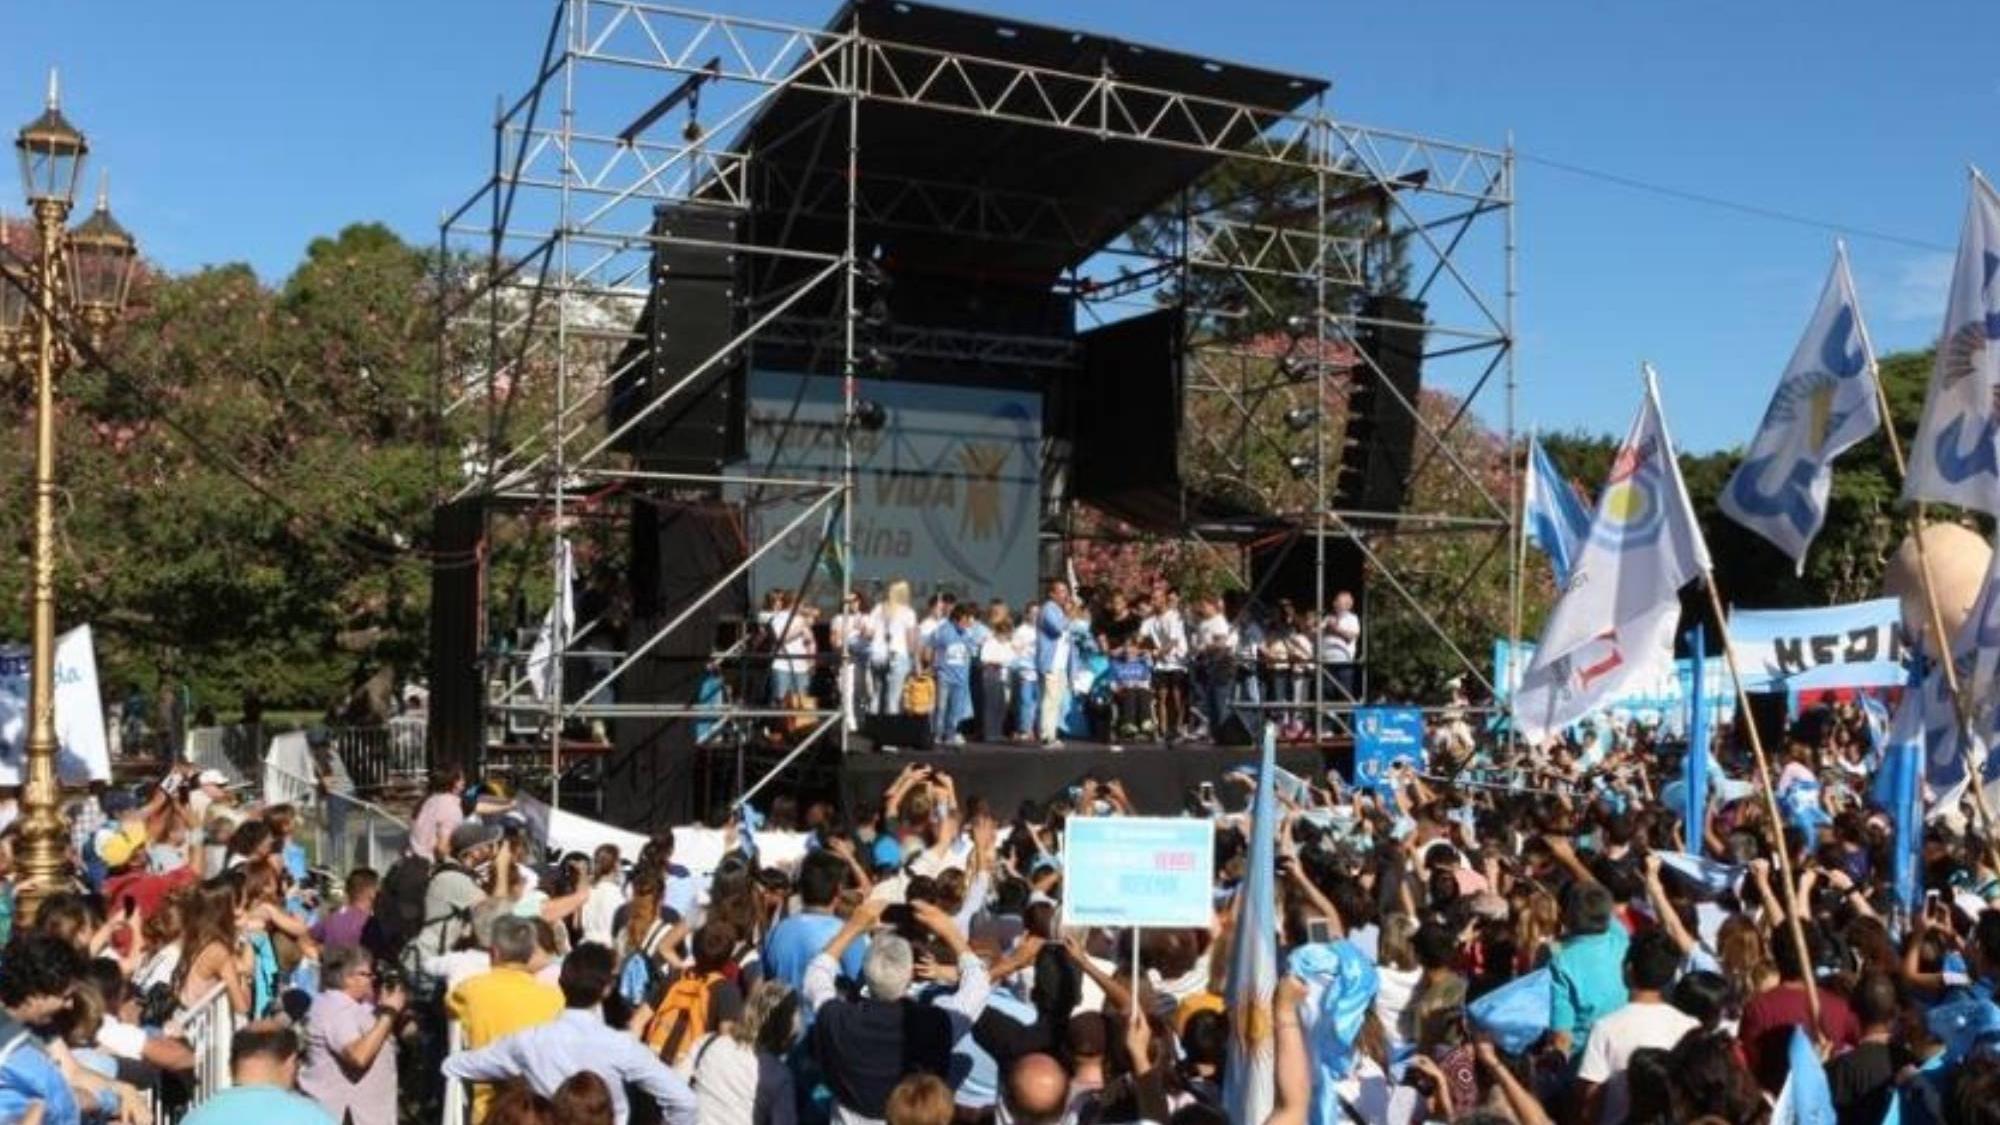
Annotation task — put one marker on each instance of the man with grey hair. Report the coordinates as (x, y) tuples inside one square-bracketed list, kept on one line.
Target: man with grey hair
[(866, 1045), (506, 998), (350, 1067)]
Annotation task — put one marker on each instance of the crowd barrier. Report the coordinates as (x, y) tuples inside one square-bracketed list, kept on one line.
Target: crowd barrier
[(378, 758), (457, 1095), (208, 1028)]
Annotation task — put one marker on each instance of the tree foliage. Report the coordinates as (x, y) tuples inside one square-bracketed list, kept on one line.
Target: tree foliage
[(242, 485)]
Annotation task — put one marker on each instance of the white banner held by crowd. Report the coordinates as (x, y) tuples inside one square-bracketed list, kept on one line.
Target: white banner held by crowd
[(1835, 646), (83, 755)]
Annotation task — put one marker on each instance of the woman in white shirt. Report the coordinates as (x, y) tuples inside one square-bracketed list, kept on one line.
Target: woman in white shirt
[(739, 1073), (1027, 685), (892, 641), (607, 894), (852, 631)]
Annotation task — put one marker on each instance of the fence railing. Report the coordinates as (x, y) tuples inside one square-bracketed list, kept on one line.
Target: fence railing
[(209, 1026), (236, 751), (457, 1101), (379, 757), (346, 831)]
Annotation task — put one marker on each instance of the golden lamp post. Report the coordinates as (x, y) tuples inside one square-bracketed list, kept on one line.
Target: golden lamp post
[(80, 275)]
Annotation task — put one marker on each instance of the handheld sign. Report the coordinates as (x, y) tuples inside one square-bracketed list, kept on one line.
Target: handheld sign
[(1139, 871)]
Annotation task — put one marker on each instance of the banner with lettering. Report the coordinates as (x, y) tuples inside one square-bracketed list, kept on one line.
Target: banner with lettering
[(82, 753), (1384, 736), (1836, 646), (1660, 701), (947, 493)]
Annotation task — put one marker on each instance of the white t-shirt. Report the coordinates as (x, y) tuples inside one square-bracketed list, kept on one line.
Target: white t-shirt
[(1214, 633), (600, 910), (120, 1039), (1392, 999), (1337, 637), (1169, 636), (892, 628), (731, 1081), (796, 646), (1615, 1038)]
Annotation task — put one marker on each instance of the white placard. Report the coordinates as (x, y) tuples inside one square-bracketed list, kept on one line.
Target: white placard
[(83, 755)]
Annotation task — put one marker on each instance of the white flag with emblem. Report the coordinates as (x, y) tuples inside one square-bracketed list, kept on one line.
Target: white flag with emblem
[(1614, 623), (1953, 459), (1824, 404)]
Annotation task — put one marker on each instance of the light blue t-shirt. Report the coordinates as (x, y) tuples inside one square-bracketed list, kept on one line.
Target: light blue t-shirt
[(266, 1105), (979, 1088), (794, 942), (1587, 982), (29, 1076)]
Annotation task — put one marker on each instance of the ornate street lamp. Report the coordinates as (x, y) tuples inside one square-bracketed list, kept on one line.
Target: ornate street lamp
[(86, 272)]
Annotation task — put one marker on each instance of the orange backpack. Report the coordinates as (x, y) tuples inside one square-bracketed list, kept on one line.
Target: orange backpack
[(682, 1016)]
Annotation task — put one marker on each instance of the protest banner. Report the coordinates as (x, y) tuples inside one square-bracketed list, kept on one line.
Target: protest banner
[(1382, 736), (1139, 871), (82, 754)]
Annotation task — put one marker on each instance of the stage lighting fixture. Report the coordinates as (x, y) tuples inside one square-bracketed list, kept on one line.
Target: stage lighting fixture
[(691, 132), (1296, 367), (874, 361), (688, 90), (869, 416), (1301, 465), (1299, 419), (1298, 325)]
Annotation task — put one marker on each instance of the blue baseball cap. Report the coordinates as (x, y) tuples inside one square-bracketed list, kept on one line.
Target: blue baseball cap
[(887, 852)]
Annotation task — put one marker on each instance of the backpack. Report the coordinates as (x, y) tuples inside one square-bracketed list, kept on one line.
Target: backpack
[(682, 1016), (919, 694), (639, 975), (399, 908)]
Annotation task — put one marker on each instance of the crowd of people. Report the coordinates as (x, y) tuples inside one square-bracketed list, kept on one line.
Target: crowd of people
[(1534, 937), (1137, 667)]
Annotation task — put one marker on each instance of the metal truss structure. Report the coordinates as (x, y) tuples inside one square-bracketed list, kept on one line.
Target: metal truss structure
[(548, 263)]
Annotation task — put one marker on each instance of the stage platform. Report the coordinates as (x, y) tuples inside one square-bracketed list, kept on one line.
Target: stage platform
[(1005, 774)]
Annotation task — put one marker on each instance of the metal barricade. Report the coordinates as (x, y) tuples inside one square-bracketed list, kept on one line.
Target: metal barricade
[(457, 1100), (208, 1027), (348, 831), (380, 757)]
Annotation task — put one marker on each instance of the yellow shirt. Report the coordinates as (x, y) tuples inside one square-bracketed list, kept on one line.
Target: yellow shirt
[(496, 1004)]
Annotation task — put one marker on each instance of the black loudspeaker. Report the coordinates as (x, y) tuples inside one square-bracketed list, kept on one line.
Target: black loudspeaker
[(904, 732), (689, 318), (1124, 416), (679, 548), (1382, 431), (1285, 570), (458, 571)]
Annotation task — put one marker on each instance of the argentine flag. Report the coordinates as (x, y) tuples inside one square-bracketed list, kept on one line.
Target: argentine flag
[(1552, 516), (1824, 404), (1614, 624), (1953, 457)]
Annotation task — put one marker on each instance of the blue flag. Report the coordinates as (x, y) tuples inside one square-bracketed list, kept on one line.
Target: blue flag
[(1877, 718), (1807, 1099), (1517, 1013), (1694, 797), (1825, 402), (1710, 878), (1553, 517), (1345, 981), (1249, 1085)]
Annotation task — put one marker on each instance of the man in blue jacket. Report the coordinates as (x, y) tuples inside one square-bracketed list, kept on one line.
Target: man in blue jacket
[(1052, 656)]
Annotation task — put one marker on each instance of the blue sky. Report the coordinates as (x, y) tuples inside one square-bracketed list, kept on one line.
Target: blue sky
[(238, 130)]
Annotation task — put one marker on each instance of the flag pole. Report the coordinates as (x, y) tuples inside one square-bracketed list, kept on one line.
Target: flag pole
[(1790, 900), (1936, 611), (1513, 681)]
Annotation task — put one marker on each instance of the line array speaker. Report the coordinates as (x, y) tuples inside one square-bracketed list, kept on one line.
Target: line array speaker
[(1381, 431)]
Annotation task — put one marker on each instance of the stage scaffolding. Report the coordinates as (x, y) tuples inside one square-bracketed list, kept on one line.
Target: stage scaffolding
[(549, 260)]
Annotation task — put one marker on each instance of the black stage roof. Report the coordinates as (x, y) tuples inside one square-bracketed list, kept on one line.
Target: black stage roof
[(1102, 186)]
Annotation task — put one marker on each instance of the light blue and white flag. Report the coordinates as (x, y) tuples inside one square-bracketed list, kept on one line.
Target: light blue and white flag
[(1807, 1098), (1614, 624), (1249, 1080), (1711, 879), (1824, 404), (1876, 716), (1552, 514), (1517, 1013), (1953, 459)]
